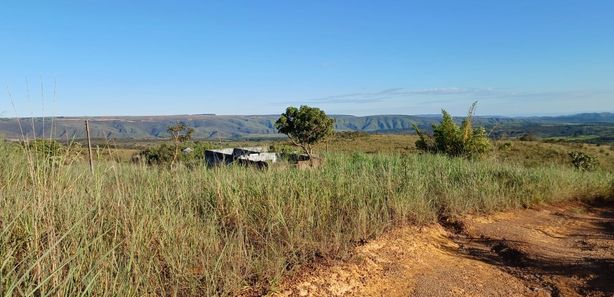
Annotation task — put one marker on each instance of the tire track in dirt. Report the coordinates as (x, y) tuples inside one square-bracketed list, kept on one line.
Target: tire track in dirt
[(561, 250)]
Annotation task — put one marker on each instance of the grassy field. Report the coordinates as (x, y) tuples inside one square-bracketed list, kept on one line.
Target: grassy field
[(525, 153), (134, 230)]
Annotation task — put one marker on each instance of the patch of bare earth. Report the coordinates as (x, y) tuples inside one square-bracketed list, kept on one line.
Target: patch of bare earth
[(561, 250)]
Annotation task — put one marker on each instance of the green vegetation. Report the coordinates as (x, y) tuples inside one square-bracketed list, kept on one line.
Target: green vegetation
[(45, 148), (534, 154), (583, 161), (180, 133), (164, 154), (453, 141), (305, 126), (135, 230)]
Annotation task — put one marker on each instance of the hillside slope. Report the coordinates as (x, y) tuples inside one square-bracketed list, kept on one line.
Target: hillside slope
[(241, 126)]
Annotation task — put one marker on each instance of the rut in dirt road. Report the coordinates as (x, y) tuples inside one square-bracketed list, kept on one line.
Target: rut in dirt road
[(561, 250), (567, 250)]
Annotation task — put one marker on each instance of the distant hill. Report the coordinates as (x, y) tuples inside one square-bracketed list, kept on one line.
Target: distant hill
[(595, 117), (209, 126)]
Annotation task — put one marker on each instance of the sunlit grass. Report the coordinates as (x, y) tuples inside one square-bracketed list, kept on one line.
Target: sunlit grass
[(133, 231)]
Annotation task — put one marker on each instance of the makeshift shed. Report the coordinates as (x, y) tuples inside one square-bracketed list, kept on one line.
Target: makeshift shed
[(256, 156)]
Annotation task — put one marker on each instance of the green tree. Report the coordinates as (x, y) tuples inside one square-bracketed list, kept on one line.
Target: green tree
[(305, 126), (448, 138), (180, 133)]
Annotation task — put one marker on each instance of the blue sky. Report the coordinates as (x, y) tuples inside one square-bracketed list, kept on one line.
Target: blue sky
[(349, 57)]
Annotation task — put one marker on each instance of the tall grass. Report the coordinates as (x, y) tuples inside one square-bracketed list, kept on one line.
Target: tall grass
[(135, 231)]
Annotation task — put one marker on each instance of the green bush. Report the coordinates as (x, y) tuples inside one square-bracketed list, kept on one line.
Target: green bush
[(157, 155), (45, 148), (450, 139), (584, 162), (163, 154), (528, 137), (505, 146)]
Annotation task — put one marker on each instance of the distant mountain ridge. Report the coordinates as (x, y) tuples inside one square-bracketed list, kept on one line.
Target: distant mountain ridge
[(595, 117), (208, 126)]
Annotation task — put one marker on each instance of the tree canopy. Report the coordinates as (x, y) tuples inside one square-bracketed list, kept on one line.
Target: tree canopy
[(305, 126)]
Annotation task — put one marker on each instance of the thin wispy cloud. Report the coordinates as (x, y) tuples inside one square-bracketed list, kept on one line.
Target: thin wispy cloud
[(456, 99), (399, 93), (447, 94)]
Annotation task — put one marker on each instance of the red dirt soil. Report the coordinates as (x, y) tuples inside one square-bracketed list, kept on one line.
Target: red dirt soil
[(561, 250)]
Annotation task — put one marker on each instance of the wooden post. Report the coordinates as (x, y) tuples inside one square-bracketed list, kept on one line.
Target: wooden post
[(89, 145)]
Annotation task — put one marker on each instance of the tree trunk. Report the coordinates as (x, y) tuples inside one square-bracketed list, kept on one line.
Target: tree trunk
[(309, 151), (175, 154)]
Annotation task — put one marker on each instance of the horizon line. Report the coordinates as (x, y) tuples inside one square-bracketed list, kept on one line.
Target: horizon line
[(528, 115)]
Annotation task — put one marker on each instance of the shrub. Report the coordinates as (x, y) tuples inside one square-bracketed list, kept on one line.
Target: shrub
[(450, 139), (164, 154), (528, 137), (157, 155), (582, 161), (505, 146), (51, 152), (45, 148)]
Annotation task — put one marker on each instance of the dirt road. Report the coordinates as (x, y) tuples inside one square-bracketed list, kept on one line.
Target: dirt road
[(562, 250)]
